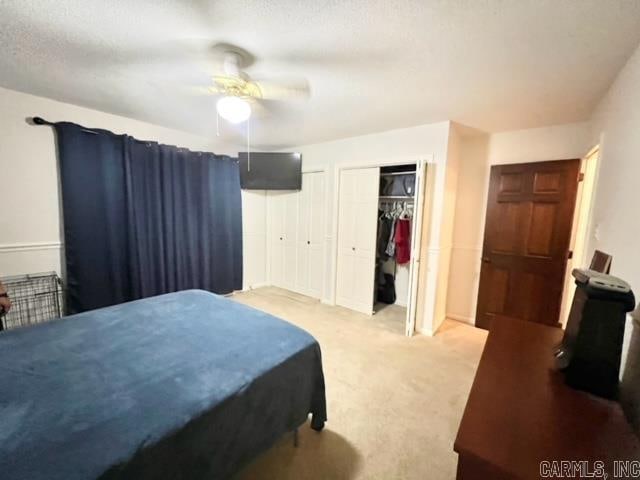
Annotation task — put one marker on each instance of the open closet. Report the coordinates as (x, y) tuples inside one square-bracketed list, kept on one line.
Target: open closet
[(396, 198), (379, 228)]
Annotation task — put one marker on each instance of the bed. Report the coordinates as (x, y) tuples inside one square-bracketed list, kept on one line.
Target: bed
[(187, 385)]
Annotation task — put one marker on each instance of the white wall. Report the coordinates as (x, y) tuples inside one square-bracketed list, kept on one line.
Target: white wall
[(556, 142), (447, 225), (30, 235), (479, 152), (464, 273), (408, 144), (615, 225)]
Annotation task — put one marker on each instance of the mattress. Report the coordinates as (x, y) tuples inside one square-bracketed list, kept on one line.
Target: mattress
[(187, 385)]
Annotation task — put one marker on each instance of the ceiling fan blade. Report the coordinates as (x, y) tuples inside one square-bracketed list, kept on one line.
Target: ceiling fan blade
[(266, 109), (198, 90), (284, 89), (259, 109)]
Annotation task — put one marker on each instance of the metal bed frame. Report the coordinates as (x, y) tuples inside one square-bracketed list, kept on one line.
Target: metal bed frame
[(35, 298)]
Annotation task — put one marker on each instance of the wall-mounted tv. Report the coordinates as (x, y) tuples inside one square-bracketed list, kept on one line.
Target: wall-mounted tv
[(270, 171)]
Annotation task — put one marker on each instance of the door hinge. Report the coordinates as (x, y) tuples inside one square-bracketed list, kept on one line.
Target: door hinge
[(570, 254), (580, 177)]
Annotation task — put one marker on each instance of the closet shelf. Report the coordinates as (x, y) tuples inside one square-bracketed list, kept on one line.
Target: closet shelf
[(396, 197)]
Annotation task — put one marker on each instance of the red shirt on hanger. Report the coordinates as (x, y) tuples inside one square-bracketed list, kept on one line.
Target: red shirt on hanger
[(403, 240)]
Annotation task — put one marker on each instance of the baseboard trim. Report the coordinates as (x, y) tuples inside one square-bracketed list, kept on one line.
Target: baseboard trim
[(461, 318), (425, 331), (248, 288)]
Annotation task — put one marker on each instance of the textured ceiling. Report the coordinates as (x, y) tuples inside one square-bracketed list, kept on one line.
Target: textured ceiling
[(373, 65)]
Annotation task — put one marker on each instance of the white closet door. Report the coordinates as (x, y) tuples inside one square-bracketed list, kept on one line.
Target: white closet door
[(416, 238), (346, 238), (316, 234), (357, 225), (302, 228), (296, 222), (290, 239), (277, 214)]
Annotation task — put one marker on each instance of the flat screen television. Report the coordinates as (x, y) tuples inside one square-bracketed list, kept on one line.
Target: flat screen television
[(270, 171)]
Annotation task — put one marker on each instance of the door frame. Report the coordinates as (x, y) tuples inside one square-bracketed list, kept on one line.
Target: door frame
[(269, 226), (335, 207), (582, 224)]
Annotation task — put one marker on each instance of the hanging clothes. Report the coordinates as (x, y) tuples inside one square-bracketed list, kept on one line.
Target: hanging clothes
[(385, 224), (402, 235), (391, 242), (386, 289)]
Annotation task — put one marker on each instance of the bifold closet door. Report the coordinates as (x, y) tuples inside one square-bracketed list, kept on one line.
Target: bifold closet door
[(284, 219), (302, 247), (290, 239), (357, 230), (296, 223), (310, 228), (316, 235), (277, 214)]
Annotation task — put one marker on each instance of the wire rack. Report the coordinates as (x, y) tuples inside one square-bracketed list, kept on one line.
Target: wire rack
[(35, 298)]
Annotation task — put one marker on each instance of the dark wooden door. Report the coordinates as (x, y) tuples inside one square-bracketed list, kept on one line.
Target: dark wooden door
[(526, 241)]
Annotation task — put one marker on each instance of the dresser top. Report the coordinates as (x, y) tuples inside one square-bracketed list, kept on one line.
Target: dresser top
[(520, 412)]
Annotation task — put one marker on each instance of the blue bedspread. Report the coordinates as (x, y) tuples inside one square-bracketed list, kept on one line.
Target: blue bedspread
[(187, 385)]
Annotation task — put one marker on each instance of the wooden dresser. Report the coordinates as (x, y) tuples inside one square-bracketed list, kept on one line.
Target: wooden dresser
[(520, 412)]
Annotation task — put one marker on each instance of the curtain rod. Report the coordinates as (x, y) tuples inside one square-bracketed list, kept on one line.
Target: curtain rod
[(42, 121)]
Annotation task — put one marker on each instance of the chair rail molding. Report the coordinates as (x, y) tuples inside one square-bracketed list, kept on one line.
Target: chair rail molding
[(31, 246)]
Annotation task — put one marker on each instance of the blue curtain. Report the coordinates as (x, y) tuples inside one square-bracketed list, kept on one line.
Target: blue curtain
[(142, 219)]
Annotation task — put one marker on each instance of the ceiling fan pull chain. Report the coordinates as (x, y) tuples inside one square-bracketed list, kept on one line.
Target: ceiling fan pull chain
[(249, 144)]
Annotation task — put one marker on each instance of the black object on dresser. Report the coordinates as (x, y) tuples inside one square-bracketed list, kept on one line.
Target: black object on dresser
[(591, 349)]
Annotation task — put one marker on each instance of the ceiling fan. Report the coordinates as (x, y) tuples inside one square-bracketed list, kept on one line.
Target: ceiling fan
[(238, 92)]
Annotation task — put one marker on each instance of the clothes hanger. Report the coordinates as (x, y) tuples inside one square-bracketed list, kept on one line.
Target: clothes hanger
[(405, 215)]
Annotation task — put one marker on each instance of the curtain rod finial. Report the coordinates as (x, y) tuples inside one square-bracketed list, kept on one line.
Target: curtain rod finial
[(36, 121)]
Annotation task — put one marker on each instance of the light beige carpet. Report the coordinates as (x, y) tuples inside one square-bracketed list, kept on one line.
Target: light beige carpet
[(394, 403)]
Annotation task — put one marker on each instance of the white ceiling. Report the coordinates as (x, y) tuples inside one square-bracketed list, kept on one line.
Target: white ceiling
[(373, 65)]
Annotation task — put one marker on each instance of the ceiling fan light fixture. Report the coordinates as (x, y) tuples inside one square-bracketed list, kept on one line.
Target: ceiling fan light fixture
[(233, 109)]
